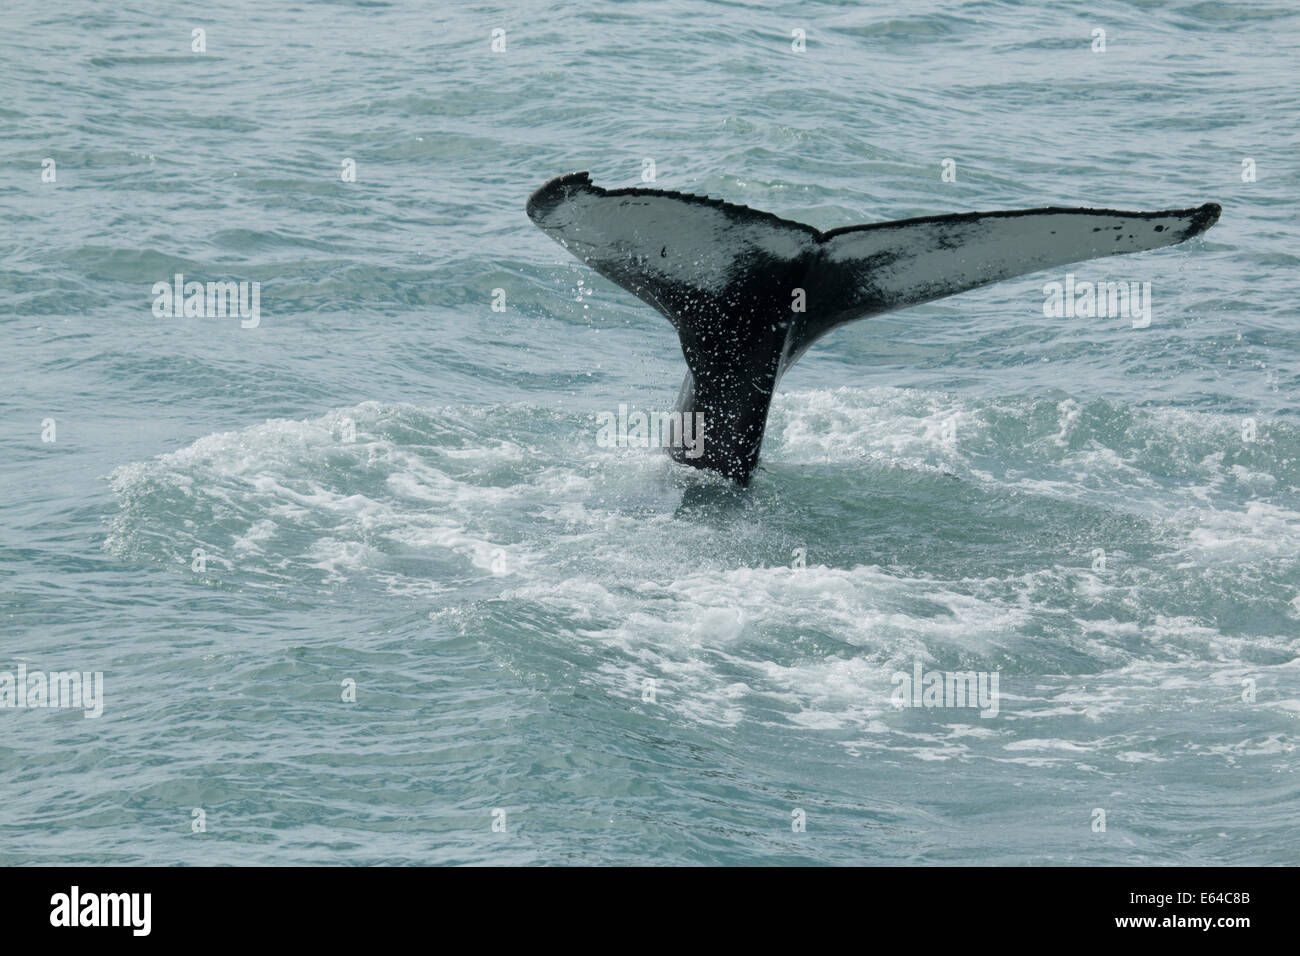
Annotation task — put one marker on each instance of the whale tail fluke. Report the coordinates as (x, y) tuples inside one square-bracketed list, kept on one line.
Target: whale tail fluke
[(865, 270), (748, 292)]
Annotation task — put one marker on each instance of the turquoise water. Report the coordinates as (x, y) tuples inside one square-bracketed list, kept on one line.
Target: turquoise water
[(498, 586)]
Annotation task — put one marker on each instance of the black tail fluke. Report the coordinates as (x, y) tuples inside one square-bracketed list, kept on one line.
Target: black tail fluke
[(748, 291)]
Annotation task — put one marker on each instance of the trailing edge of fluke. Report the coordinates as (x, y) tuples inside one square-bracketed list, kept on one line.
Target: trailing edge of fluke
[(725, 276)]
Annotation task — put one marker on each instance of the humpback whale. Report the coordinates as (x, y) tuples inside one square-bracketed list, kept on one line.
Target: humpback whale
[(748, 292)]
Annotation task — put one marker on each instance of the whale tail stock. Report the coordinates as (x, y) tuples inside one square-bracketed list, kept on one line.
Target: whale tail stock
[(748, 292)]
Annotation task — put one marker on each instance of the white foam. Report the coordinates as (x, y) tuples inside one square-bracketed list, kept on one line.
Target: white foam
[(593, 545)]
